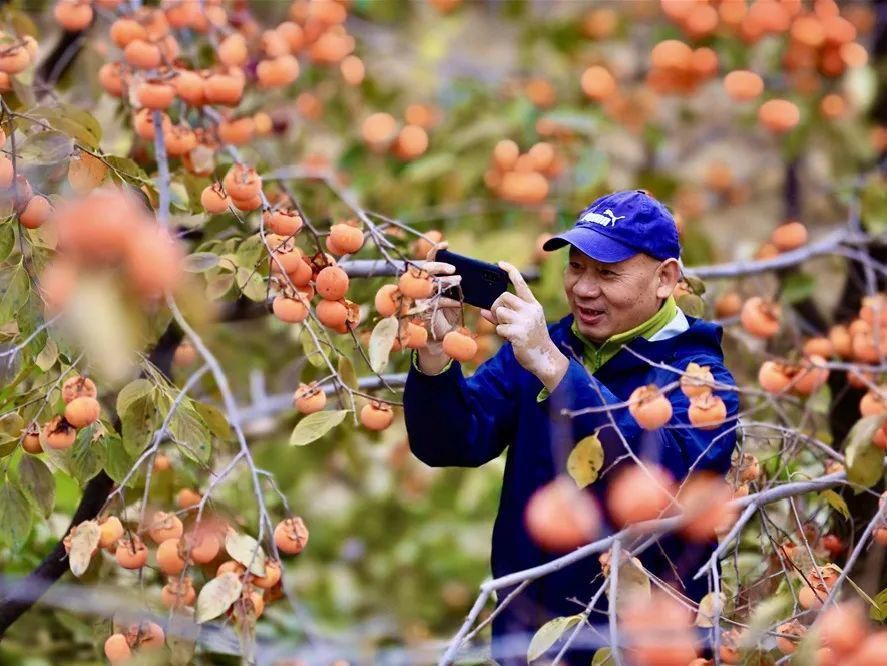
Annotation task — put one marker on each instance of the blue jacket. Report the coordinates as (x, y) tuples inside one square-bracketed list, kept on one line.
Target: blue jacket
[(465, 422)]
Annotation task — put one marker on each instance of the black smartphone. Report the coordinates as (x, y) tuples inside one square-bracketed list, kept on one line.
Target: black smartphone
[(481, 284)]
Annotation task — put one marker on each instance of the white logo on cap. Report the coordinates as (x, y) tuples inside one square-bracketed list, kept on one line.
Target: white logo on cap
[(608, 219)]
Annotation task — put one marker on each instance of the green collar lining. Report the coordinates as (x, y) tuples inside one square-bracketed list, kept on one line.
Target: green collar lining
[(597, 355)]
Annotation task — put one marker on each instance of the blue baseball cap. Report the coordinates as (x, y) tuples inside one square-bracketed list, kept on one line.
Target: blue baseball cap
[(620, 225)]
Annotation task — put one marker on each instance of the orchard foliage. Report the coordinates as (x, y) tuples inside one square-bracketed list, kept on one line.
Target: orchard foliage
[(204, 199)]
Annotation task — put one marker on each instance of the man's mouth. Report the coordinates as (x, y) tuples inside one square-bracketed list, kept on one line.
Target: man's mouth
[(590, 316)]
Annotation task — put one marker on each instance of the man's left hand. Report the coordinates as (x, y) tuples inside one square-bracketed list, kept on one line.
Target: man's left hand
[(519, 318)]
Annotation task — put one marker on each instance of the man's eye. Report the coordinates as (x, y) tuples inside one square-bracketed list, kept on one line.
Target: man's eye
[(607, 273), (575, 265)]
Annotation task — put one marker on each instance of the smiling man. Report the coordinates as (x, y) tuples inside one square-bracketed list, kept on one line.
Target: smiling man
[(624, 331)]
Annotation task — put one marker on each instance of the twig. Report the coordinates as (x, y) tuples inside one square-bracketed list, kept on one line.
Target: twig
[(615, 556)]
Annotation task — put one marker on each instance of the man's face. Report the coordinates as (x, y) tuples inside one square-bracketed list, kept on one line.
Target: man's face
[(607, 299)]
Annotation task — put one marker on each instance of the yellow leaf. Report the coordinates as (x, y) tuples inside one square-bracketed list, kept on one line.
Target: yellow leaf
[(632, 583), (217, 596), (104, 329), (586, 460), (381, 341), (836, 502), (549, 634), (84, 543), (706, 614), (246, 550), (203, 159), (86, 172)]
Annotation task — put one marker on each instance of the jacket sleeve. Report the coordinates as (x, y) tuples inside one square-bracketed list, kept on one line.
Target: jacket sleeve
[(457, 422), (679, 447)]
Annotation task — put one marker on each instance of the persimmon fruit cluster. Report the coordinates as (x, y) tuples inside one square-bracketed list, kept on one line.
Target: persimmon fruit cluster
[(522, 178)]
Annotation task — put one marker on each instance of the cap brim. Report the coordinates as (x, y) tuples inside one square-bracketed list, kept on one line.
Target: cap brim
[(591, 243)]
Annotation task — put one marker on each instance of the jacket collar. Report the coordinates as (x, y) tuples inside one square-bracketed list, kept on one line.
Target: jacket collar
[(700, 337), (596, 355)]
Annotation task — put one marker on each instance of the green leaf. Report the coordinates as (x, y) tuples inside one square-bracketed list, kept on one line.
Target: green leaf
[(48, 355), (15, 515), (874, 205), (188, 430), (696, 284), (29, 318), (381, 341), (200, 261), (346, 372), (313, 352), (47, 147), (136, 390), (137, 412), (878, 612), (118, 461), (56, 459), (251, 283), (137, 424), (246, 550), (586, 460), (86, 455), (22, 23), (430, 167), (75, 123), (217, 596), (37, 483), (14, 289), (179, 197), (796, 287), (24, 91), (836, 502), (549, 634), (314, 426), (126, 169), (219, 285), (215, 420), (194, 186), (692, 305), (7, 238), (8, 445), (250, 251), (864, 460), (11, 424)]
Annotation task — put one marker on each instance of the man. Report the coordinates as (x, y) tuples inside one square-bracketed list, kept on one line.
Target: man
[(623, 267)]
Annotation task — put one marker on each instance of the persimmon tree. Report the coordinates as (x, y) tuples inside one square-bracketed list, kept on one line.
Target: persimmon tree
[(177, 242)]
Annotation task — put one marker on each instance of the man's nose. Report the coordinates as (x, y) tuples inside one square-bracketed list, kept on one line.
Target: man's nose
[(587, 286)]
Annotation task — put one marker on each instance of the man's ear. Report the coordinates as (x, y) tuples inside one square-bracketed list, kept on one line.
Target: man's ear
[(669, 275)]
